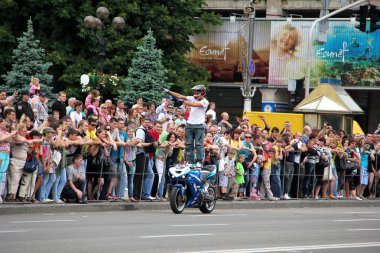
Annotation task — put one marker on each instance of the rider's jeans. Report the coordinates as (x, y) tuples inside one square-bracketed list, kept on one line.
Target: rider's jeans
[(194, 137)]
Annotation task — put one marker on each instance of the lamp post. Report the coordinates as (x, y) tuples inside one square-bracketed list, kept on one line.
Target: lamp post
[(97, 24), (248, 90)]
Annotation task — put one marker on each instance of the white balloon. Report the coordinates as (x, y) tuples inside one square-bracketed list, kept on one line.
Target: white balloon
[(84, 79)]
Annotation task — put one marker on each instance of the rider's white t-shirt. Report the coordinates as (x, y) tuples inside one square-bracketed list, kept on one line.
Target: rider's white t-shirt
[(197, 114)]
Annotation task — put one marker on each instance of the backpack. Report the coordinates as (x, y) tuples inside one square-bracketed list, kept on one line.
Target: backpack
[(31, 163), (148, 139)]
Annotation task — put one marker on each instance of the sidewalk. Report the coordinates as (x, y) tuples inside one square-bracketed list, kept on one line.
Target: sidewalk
[(26, 208)]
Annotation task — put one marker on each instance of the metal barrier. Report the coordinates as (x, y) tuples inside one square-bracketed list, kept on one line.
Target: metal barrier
[(292, 180)]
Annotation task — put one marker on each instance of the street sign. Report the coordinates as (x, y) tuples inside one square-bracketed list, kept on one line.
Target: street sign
[(251, 68)]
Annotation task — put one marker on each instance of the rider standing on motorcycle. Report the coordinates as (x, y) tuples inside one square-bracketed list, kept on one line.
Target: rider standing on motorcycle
[(194, 131)]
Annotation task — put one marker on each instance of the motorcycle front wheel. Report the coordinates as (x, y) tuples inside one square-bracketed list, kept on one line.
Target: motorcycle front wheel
[(209, 202), (177, 203)]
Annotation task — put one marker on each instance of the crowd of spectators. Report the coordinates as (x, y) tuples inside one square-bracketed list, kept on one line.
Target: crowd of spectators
[(94, 150)]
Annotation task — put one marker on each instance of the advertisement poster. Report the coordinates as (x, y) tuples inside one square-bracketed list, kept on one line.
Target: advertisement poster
[(350, 55), (288, 45), (279, 53), (223, 51)]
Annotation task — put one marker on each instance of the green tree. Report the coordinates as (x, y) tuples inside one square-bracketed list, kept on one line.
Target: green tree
[(28, 61), (146, 75), (74, 51)]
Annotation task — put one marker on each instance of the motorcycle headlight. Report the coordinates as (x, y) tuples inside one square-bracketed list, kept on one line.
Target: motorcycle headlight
[(173, 176), (183, 177)]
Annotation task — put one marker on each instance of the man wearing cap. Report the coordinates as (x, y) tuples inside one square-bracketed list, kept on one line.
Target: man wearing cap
[(195, 123), (40, 106), (23, 107)]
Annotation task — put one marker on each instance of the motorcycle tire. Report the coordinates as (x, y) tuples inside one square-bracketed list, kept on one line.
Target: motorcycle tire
[(208, 206), (177, 203)]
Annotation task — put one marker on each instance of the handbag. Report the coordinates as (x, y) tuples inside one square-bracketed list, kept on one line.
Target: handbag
[(323, 163), (31, 163), (347, 165)]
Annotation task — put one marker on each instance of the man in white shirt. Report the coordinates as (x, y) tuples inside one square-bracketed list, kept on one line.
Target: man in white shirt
[(195, 124)]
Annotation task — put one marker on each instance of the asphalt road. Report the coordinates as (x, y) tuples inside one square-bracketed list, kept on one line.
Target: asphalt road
[(264, 230)]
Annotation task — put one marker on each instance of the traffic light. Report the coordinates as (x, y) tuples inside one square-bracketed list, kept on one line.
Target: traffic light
[(374, 14), (361, 17)]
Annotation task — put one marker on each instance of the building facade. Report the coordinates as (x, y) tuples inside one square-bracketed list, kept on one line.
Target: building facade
[(279, 53)]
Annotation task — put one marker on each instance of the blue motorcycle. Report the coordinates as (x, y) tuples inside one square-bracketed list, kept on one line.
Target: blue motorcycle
[(192, 186)]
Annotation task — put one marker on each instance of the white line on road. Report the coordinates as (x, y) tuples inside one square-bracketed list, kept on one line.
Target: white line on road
[(364, 229), (163, 236), (219, 215), (40, 221), (361, 212), (296, 248), (357, 220), (199, 225), (14, 231)]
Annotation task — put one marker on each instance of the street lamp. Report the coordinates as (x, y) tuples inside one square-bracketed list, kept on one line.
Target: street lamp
[(97, 23), (248, 90)]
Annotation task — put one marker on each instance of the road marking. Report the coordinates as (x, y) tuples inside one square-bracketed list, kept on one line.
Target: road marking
[(199, 225), (219, 215), (364, 229), (296, 248), (14, 231), (40, 221), (163, 236), (357, 220), (361, 212)]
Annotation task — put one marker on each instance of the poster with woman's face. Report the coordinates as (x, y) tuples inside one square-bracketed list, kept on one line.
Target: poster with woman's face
[(287, 52)]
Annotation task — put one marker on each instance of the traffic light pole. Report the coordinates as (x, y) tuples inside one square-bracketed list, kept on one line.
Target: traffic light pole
[(310, 41)]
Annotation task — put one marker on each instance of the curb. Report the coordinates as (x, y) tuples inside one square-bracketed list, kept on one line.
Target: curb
[(21, 208)]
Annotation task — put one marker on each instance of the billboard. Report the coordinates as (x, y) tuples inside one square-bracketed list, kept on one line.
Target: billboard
[(222, 50), (279, 53)]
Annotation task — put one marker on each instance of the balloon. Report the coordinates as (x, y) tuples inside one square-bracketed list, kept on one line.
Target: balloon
[(84, 79)]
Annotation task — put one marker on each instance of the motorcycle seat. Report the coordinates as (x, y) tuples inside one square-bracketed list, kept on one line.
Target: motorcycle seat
[(204, 174), (206, 171), (208, 168)]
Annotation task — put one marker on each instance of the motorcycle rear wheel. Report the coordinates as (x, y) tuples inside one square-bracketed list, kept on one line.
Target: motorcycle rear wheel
[(208, 206), (177, 203)]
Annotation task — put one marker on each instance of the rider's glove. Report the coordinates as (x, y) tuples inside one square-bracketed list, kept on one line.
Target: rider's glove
[(164, 89)]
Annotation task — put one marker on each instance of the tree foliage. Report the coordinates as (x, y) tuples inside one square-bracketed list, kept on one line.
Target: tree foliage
[(73, 49), (28, 61), (146, 75)]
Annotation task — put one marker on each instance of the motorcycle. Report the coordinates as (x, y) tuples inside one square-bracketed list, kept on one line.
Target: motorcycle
[(192, 186)]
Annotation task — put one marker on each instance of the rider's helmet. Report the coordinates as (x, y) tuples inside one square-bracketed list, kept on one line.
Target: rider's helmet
[(202, 89)]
